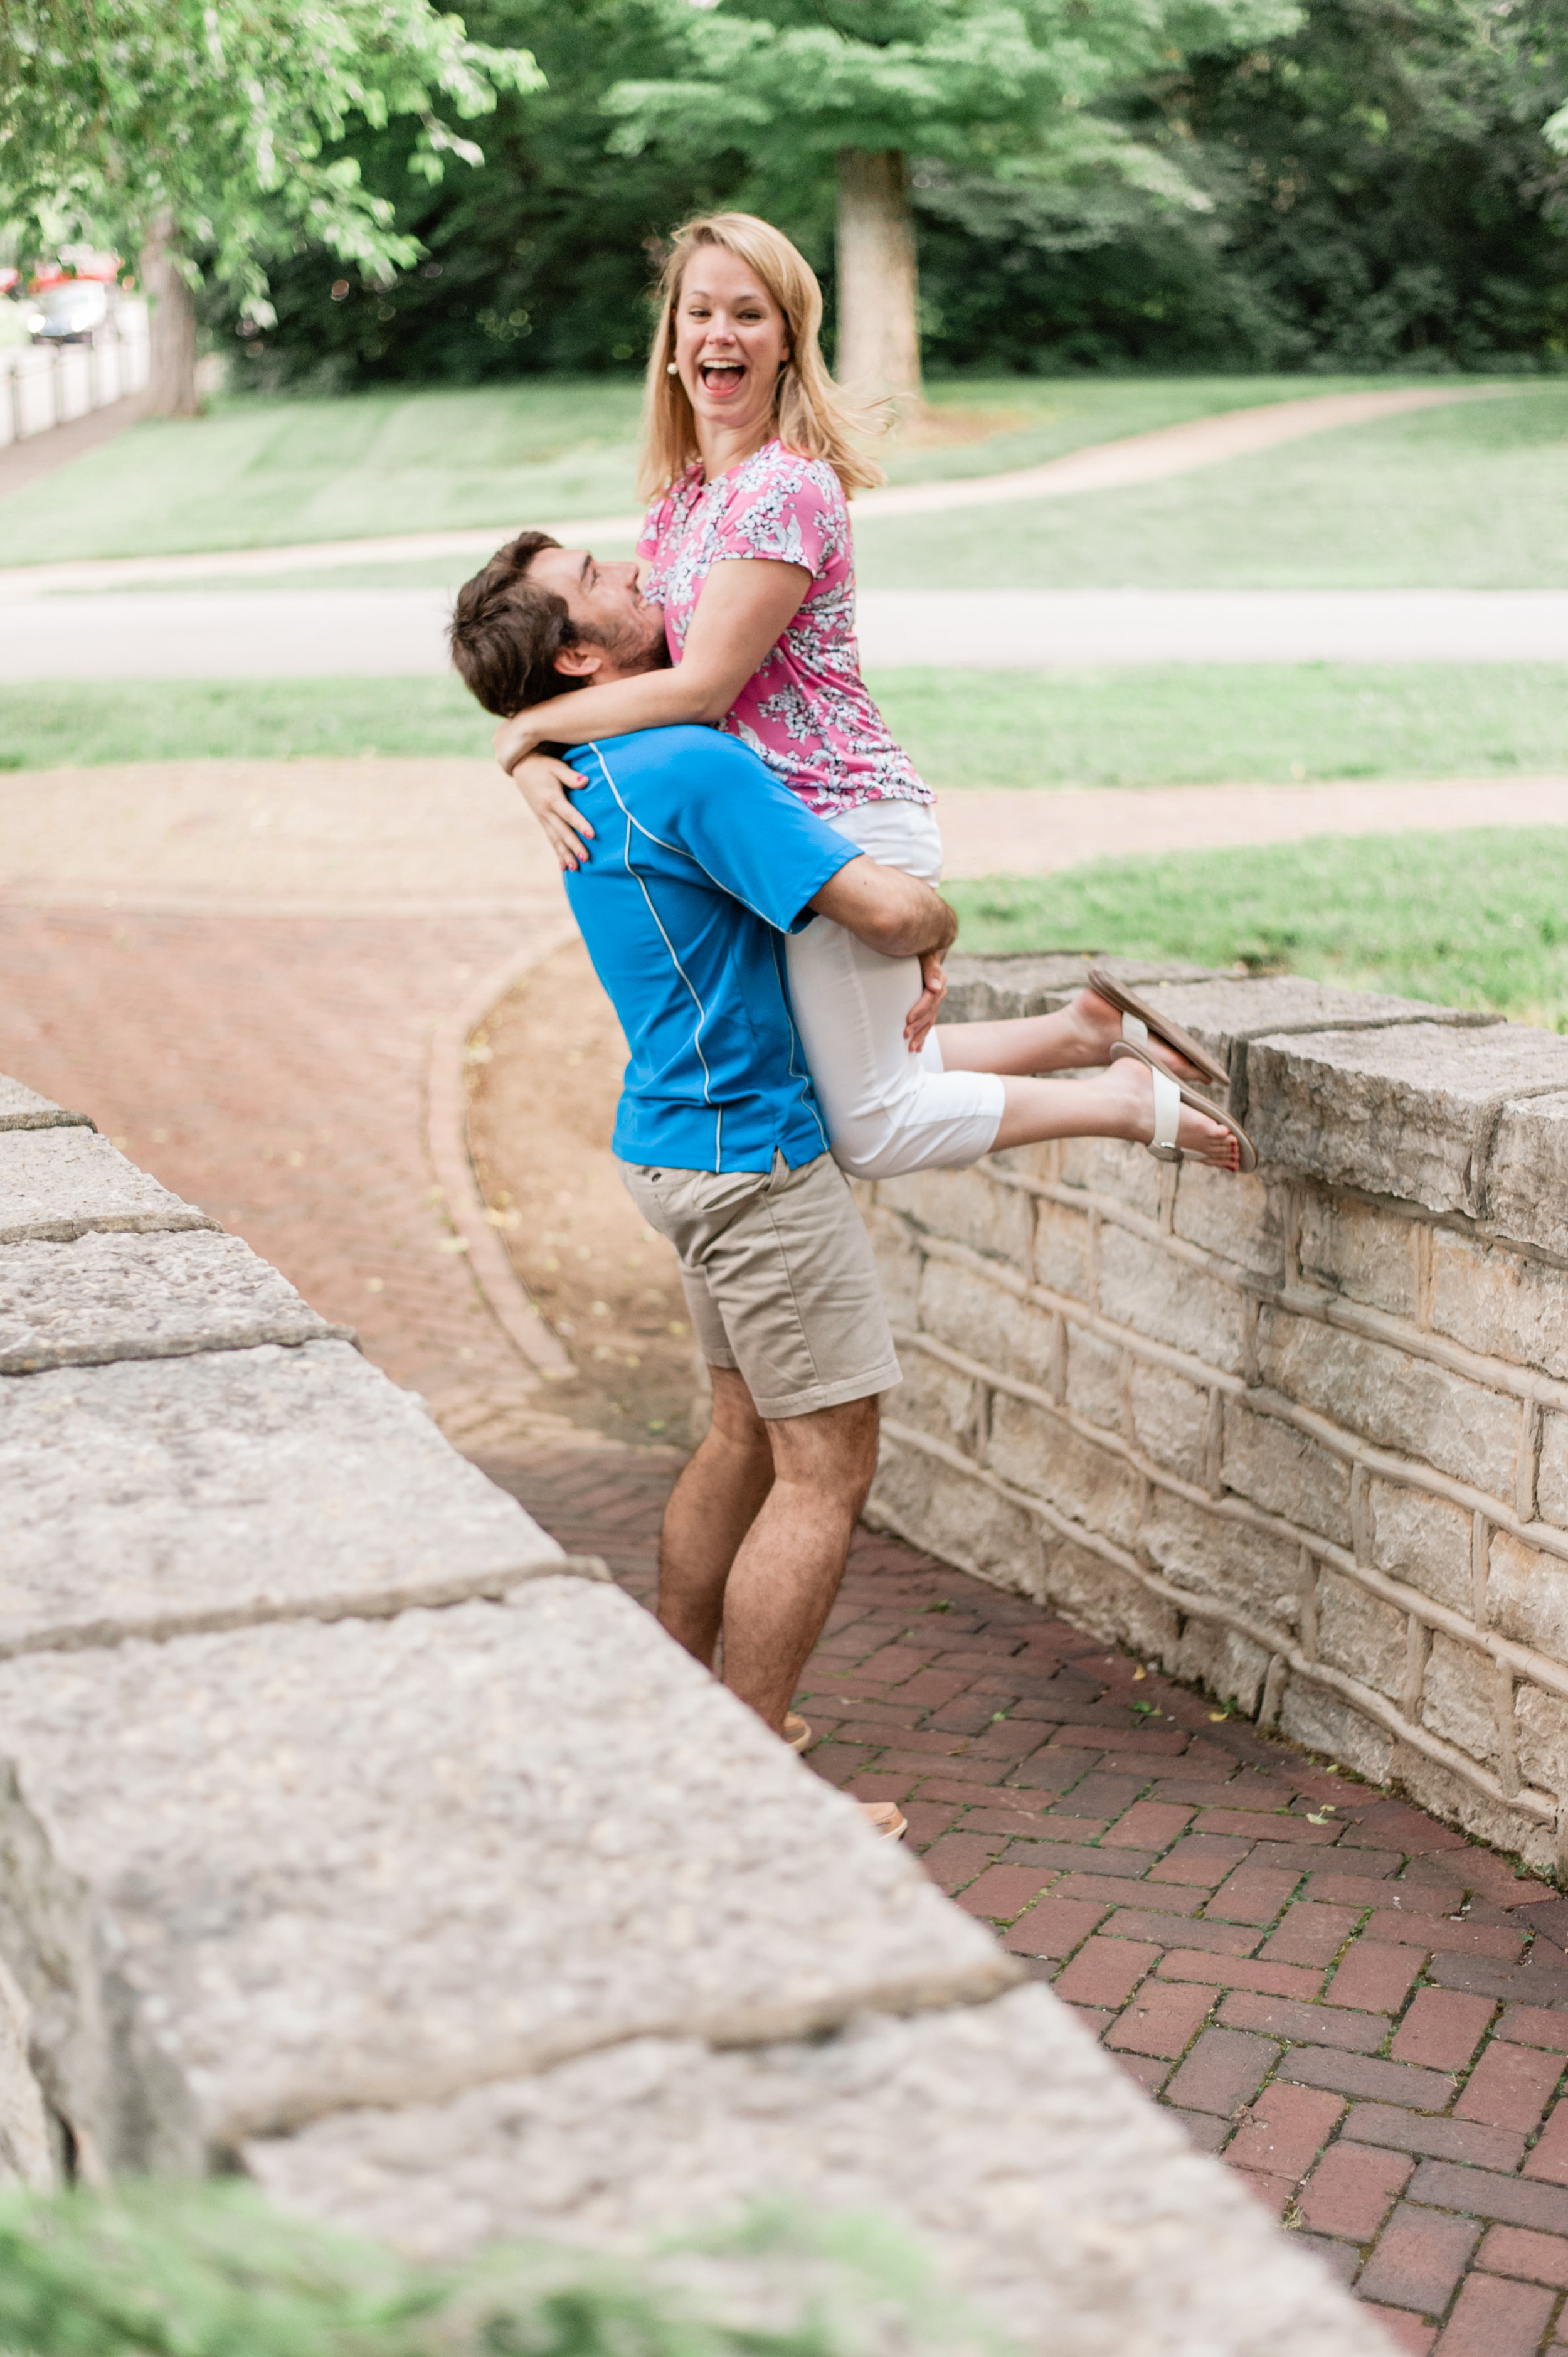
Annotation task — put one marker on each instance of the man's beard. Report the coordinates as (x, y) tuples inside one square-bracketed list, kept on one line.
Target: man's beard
[(640, 647)]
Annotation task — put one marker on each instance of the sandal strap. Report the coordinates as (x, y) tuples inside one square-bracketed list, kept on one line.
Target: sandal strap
[(1167, 1112), (1134, 1027)]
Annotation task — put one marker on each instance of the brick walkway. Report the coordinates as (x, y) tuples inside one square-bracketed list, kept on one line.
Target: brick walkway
[(1364, 2012)]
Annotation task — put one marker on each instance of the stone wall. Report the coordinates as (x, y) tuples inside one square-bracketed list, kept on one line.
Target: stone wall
[(353, 1836), (1301, 1436)]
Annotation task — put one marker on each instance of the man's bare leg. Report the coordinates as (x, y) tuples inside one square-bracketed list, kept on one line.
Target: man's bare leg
[(790, 1562), (711, 1509)]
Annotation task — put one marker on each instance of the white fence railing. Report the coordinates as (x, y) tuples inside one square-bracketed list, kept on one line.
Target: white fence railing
[(45, 385)]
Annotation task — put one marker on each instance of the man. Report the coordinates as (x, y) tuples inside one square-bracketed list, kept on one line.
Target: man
[(699, 862)]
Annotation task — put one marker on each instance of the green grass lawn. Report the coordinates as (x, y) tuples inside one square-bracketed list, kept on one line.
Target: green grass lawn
[(1472, 496), (1469, 920), (1176, 725), (256, 472)]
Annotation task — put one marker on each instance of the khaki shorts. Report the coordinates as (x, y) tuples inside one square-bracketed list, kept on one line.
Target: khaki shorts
[(779, 1274)]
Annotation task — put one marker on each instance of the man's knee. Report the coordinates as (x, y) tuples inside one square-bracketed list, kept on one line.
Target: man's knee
[(833, 1449)]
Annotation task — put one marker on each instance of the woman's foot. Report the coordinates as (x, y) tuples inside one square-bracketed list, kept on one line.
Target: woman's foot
[(1096, 1025), (1128, 1086)]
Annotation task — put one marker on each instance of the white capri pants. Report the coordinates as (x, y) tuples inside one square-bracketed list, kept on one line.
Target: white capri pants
[(887, 1112)]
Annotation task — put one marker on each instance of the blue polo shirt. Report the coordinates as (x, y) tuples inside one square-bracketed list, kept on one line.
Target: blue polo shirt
[(701, 862)]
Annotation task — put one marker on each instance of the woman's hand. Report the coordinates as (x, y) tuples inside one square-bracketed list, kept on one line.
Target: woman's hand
[(546, 786), (922, 1015)]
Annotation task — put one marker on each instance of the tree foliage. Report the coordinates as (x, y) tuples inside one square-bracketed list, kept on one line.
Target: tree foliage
[(221, 124), (1378, 184)]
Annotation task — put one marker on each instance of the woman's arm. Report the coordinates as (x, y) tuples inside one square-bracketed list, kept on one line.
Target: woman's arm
[(745, 605)]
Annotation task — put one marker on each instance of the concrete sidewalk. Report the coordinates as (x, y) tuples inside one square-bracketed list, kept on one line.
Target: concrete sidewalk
[(399, 633)]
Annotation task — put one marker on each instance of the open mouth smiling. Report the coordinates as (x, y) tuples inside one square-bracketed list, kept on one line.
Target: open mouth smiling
[(720, 377)]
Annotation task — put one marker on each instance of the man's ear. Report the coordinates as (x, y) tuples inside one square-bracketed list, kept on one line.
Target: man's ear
[(581, 659)]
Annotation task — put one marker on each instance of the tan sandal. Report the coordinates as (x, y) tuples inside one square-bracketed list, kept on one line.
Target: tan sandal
[(797, 1734), (1170, 1095), (884, 1818), (1141, 1022)]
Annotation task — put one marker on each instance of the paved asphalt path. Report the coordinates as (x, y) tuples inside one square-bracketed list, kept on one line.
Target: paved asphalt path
[(398, 633)]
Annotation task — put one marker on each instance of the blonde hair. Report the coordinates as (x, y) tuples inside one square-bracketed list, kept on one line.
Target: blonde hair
[(812, 414)]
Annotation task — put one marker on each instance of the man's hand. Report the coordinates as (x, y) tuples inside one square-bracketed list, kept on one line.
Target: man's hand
[(546, 786), (922, 1015)]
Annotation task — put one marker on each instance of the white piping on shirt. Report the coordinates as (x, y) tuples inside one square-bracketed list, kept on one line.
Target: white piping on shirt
[(648, 897)]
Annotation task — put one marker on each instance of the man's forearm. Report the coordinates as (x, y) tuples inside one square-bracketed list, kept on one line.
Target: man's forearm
[(894, 914)]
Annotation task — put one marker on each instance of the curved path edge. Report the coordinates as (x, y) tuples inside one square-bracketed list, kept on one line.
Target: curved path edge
[(500, 1288), (1104, 465)]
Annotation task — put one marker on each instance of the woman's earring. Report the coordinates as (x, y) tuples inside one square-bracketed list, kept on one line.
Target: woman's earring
[(671, 369)]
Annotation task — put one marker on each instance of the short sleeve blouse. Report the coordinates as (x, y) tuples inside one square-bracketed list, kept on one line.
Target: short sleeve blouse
[(806, 711)]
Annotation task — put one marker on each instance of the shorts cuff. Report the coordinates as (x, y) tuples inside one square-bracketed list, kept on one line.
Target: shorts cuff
[(877, 1379)]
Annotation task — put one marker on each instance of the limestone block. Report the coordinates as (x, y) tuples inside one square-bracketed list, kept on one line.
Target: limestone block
[(1359, 1633), (1359, 1251), (1541, 1721), (1224, 1008), (1527, 1176), (106, 1297), (23, 1108), (1407, 1112), (988, 1322), (1398, 1402), (934, 1397), (1319, 1719), (958, 1517), (992, 989), (1072, 2214), (967, 1208), (1455, 1800), (1551, 1479), (1458, 1698), (1036, 1454), (26, 2146), (1424, 1541), (377, 1862), (1061, 1250), (1527, 1595), (1094, 1380), (60, 1183), (1156, 1294), (174, 1493), (1236, 1218), (1214, 1555), (898, 1264), (1075, 1161), (1109, 1602), (1223, 1662), (1170, 1420), (1127, 1174), (1285, 1473), (1497, 1301)]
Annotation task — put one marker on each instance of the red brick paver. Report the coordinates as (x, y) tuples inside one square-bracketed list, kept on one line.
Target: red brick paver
[(1367, 2014)]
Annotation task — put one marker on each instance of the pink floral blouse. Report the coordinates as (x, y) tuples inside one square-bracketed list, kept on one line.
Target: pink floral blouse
[(806, 711)]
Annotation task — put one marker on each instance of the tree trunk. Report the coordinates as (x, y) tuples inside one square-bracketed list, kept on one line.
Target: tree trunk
[(878, 285), (171, 354)]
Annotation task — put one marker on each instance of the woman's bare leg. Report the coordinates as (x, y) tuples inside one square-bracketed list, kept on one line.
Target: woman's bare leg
[(1117, 1102), (1074, 1039)]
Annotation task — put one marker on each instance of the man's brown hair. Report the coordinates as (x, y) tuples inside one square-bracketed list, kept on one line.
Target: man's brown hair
[(507, 631)]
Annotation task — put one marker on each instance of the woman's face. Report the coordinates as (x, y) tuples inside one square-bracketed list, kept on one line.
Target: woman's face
[(731, 341)]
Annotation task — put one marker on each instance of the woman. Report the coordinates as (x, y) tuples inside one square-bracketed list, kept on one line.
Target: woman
[(749, 459)]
